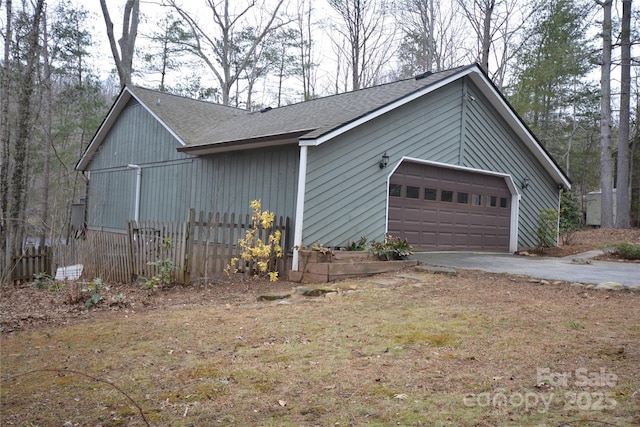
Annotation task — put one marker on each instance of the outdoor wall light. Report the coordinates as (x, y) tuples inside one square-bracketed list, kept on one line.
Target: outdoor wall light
[(525, 183), (385, 161)]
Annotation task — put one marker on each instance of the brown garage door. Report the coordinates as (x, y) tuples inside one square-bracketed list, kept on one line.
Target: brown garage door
[(447, 209)]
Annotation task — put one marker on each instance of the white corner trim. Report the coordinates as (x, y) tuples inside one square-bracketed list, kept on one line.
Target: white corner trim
[(515, 215), (297, 233)]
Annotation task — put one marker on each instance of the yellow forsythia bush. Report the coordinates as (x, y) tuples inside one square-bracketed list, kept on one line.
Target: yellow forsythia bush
[(255, 251)]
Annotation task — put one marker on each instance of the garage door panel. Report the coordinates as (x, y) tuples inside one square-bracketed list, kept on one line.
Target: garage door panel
[(437, 224)]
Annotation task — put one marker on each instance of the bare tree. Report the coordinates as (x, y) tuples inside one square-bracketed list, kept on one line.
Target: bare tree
[(606, 158), (418, 22), (493, 21), (305, 45), (623, 195), (4, 142), (369, 41), (123, 58), (480, 14), (24, 127), (433, 37), (217, 46)]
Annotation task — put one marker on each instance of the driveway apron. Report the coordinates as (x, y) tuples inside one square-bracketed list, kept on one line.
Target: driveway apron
[(575, 268)]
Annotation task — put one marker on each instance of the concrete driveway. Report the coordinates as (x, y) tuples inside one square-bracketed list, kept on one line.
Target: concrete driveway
[(566, 269)]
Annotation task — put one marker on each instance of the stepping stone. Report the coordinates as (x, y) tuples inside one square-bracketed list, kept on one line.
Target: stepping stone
[(318, 292), (432, 269), (272, 297), (611, 286)]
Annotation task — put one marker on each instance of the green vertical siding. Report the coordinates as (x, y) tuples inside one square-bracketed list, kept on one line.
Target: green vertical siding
[(492, 145), (346, 190), (110, 202), (228, 182), (137, 138)]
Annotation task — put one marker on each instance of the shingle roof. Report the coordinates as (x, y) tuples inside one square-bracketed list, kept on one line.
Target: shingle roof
[(188, 118), (199, 123), (204, 128)]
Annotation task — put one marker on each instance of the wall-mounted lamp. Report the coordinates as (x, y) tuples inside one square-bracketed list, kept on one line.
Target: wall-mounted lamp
[(385, 161), (525, 183)]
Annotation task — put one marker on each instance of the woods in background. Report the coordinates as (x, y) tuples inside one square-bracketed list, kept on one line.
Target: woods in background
[(568, 67)]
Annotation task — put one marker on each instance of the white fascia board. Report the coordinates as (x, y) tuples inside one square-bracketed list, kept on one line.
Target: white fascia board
[(175, 135), (379, 112), (498, 102)]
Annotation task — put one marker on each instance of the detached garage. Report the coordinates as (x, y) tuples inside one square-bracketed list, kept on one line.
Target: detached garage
[(441, 159)]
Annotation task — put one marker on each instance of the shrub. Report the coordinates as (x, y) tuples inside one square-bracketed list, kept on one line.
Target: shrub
[(93, 288), (317, 247), (570, 217), (547, 228), (42, 280), (626, 251), (259, 256), (166, 267), (360, 245), (391, 248)]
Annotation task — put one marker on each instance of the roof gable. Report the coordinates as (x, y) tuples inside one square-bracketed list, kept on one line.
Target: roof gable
[(203, 128), (184, 118)]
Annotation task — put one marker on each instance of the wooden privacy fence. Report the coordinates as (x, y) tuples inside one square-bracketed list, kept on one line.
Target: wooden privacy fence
[(104, 255), (215, 242), (198, 249), (31, 261), (152, 243)]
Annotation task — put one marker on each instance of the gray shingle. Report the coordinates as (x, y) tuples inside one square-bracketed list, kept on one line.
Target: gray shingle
[(201, 123), (188, 118)]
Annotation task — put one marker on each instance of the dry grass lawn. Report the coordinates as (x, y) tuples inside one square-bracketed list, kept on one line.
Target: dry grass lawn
[(408, 349)]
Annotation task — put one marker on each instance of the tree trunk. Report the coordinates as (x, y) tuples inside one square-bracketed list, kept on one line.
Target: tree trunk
[(18, 181), (606, 159), (486, 35), (47, 95), (623, 194), (4, 143), (124, 58)]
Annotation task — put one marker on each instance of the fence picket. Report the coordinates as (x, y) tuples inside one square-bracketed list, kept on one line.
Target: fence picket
[(198, 254)]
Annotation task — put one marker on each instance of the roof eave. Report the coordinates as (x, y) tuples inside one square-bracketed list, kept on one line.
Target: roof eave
[(334, 132), (505, 109), (123, 98), (491, 93), (274, 140)]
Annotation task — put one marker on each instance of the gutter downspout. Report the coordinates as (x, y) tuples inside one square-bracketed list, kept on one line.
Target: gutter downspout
[(138, 169), (297, 233)]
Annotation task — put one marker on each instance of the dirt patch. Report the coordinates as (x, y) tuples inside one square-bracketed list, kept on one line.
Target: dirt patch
[(595, 238), (25, 306)]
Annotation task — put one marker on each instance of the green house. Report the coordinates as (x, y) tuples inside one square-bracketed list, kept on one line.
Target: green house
[(441, 159)]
